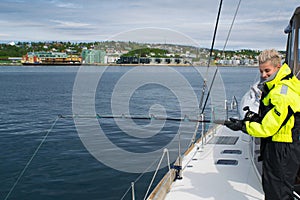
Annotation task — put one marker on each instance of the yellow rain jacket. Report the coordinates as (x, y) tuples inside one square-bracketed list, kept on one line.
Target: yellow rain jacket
[(279, 103)]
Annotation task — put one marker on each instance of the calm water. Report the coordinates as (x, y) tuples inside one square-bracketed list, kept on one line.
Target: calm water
[(31, 98)]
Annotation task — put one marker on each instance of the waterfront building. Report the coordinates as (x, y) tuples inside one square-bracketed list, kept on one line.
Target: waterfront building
[(50, 58), (91, 56)]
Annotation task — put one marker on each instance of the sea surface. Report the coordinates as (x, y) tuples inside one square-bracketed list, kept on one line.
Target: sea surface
[(43, 155)]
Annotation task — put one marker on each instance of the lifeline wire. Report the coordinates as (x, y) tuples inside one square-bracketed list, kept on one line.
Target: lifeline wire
[(142, 174), (32, 157), (141, 117)]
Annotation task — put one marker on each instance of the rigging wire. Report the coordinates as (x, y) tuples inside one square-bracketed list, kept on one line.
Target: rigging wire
[(215, 33), (149, 118), (226, 41), (231, 26), (205, 81), (32, 157), (215, 73), (209, 59)]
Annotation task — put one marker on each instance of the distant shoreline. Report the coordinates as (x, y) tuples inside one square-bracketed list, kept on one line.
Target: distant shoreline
[(125, 65)]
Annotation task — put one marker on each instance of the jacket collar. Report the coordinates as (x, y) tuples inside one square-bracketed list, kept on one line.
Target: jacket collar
[(283, 72)]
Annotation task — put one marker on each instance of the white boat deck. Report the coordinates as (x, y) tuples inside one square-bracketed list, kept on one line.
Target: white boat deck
[(204, 179)]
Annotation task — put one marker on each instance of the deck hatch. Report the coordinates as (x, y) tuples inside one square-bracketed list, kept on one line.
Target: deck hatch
[(231, 151), (227, 162), (229, 140)]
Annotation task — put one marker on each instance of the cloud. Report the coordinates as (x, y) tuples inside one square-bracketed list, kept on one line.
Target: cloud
[(69, 24), (258, 23), (67, 5), (4, 34), (154, 35)]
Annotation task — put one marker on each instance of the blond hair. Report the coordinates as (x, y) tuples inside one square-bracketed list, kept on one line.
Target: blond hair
[(270, 55)]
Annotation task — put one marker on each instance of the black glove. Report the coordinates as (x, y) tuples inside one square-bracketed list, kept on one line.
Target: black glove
[(235, 124), (251, 116)]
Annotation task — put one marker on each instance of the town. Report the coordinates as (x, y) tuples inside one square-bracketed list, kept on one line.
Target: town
[(121, 53)]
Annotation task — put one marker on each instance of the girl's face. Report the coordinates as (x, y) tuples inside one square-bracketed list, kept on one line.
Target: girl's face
[(267, 69)]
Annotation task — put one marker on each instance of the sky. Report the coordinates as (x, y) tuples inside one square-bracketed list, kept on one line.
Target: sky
[(259, 24)]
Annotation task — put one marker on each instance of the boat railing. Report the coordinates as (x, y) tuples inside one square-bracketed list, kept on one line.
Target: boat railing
[(232, 106), (175, 172), (168, 178), (163, 187)]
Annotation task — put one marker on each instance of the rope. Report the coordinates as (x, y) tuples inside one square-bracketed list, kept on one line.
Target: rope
[(32, 157)]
